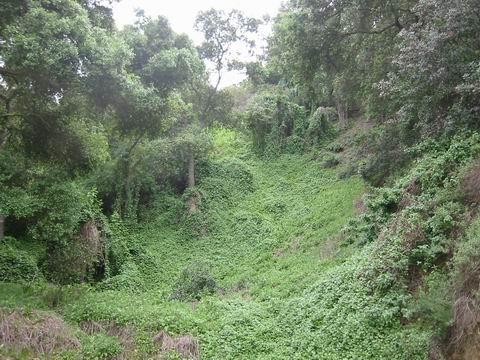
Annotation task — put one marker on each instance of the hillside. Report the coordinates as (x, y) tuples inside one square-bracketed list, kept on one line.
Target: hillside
[(326, 207), (261, 271), (266, 232)]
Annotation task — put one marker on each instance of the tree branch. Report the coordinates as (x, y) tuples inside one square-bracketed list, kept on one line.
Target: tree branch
[(9, 73), (372, 32)]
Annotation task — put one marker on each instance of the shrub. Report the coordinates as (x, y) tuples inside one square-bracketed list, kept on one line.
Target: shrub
[(16, 264), (129, 277), (433, 305), (336, 147), (330, 162), (320, 125), (386, 155), (194, 281), (80, 260)]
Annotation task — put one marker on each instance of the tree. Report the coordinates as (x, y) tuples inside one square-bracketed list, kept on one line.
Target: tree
[(145, 96), (433, 88), (46, 47), (222, 32), (334, 51)]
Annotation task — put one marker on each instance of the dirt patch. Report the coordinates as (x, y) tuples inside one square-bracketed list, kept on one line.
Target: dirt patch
[(39, 333), (187, 346)]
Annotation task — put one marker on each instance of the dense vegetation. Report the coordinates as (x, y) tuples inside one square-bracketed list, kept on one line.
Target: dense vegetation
[(325, 208)]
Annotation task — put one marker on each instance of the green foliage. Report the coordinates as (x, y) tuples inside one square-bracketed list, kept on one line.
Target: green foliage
[(223, 178), (70, 256), (129, 277), (98, 122), (330, 161), (221, 32), (15, 199), (386, 154), (320, 125), (338, 318), (466, 264), (434, 303), (276, 122), (101, 347), (16, 265), (265, 222), (64, 207), (194, 281)]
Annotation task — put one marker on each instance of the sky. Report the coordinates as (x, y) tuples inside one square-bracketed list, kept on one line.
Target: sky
[(182, 13)]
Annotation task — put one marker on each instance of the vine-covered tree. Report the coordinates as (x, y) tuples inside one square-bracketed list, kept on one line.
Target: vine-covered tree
[(224, 34)]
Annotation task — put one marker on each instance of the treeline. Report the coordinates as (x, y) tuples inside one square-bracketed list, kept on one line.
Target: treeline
[(409, 68), (97, 121)]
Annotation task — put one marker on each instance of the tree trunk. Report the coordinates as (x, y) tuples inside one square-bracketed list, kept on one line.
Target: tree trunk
[(193, 200), (3, 139), (342, 114), (191, 170), (126, 191), (2, 227)]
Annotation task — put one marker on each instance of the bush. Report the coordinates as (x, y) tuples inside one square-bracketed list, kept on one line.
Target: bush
[(80, 260), (129, 277), (433, 305), (16, 264), (330, 162), (336, 147), (194, 281), (386, 155), (222, 180)]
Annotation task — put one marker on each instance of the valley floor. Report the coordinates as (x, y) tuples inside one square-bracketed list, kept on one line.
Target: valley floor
[(268, 234)]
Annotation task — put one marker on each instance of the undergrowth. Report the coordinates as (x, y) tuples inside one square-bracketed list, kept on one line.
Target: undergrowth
[(265, 269)]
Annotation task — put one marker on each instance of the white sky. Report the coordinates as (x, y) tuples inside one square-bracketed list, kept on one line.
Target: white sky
[(182, 13)]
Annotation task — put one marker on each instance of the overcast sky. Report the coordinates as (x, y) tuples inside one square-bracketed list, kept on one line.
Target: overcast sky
[(182, 13)]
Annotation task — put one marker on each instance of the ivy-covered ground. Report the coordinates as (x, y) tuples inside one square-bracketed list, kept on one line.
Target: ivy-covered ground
[(261, 271)]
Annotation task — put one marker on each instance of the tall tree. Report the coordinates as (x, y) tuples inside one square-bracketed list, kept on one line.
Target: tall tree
[(334, 51), (143, 94), (45, 49), (223, 34)]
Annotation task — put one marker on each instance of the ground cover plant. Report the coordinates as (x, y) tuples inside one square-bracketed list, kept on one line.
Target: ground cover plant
[(324, 208)]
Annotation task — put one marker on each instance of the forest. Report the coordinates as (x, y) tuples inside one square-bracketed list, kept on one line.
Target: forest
[(326, 207)]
